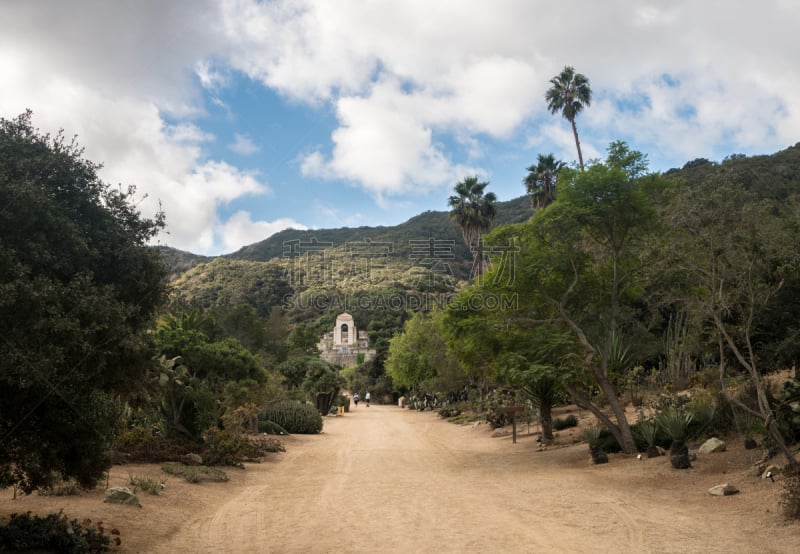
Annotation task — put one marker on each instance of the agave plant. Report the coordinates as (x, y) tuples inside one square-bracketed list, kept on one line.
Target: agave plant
[(591, 435), (675, 423), (648, 430)]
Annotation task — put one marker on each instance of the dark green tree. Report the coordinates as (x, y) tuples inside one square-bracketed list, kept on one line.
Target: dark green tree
[(78, 292), (541, 181), (472, 211), (569, 94)]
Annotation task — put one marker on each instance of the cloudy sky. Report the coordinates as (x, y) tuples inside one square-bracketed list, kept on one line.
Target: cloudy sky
[(243, 117)]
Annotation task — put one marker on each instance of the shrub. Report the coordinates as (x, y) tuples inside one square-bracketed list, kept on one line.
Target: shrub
[(675, 423), (295, 417), (270, 428), (448, 412), (59, 487), (647, 430), (565, 422), (140, 445), (224, 447), (592, 435), (195, 474), (54, 532), (151, 485)]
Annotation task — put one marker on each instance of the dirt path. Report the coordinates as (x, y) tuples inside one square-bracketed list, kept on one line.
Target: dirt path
[(383, 479), (390, 480)]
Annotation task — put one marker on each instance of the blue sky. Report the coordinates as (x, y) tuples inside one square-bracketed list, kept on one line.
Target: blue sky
[(244, 117)]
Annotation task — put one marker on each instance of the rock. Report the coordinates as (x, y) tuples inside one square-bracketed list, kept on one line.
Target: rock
[(692, 456), (501, 432), (401, 402), (192, 459), (121, 495), (723, 490), (712, 445)]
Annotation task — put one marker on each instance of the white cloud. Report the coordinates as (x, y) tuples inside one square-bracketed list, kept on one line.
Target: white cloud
[(240, 230), (243, 145), (422, 91)]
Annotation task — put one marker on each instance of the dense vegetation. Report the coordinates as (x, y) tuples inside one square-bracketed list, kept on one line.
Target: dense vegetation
[(79, 292)]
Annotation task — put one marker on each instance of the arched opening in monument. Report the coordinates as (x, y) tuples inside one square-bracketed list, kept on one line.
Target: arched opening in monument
[(344, 330)]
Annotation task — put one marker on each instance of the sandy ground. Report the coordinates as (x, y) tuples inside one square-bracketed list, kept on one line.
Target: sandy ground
[(384, 479)]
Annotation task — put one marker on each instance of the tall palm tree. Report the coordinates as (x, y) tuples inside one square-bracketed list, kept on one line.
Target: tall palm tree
[(540, 183), (569, 94), (473, 212)]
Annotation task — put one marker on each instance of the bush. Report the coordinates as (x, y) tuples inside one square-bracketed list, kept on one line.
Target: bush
[(151, 485), (449, 412), (54, 533), (61, 487), (295, 417), (230, 448), (195, 474), (140, 445), (565, 422), (270, 428)]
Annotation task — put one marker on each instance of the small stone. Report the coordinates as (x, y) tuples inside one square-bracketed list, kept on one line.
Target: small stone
[(723, 490)]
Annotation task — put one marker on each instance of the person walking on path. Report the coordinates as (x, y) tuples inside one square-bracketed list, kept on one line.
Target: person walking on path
[(366, 399), (355, 399)]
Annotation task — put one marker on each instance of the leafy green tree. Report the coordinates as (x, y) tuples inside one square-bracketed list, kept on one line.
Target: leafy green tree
[(223, 361), (569, 94), (78, 292), (276, 331), (303, 340), (180, 332), (472, 211), (418, 358), (579, 270), (296, 370), (541, 181), (322, 384), (243, 323)]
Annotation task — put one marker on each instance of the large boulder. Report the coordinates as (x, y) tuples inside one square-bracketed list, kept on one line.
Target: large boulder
[(121, 495), (712, 445)]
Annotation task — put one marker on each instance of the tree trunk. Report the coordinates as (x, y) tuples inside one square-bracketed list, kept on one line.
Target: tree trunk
[(619, 432), (577, 142), (625, 439), (599, 455), (679, 455), (546, 417)]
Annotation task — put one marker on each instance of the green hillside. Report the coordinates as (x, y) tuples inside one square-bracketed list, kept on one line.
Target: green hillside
[(400, 238), (379, 273)]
